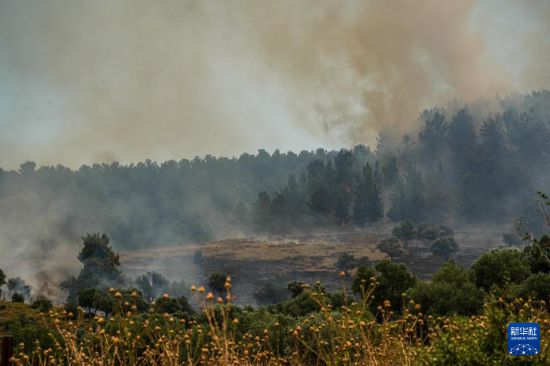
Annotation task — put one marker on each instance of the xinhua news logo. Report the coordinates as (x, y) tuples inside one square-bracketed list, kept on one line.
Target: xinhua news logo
[(523, 339)]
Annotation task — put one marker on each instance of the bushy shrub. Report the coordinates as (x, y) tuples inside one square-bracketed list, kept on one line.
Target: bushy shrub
[(173, 305), (536, 286), (405, 231), (270, 294), (42, 304), (392, 281), (17, 297), (500, 267), (391, 246), (538, 254), (444, 246), (432, 232)]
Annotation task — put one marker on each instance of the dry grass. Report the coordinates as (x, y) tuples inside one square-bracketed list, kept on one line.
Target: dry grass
[(272, 249)]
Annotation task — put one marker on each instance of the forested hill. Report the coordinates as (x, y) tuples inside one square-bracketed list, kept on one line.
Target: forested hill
[(463, 165)]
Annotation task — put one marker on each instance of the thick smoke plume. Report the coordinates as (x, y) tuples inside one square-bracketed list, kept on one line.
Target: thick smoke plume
[(86, 81)]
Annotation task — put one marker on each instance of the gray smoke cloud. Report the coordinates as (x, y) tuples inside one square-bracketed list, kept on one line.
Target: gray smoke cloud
[(87, 81)]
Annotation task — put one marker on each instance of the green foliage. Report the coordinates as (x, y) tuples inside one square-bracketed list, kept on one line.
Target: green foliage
[(295, 288), (308, 300), (392, 281), (42, 303), (345, 262), (2, 280), (173, 305), (500, 267), (261, 212), (390, 171), (408, 197), (538, 254), (17, 297), (432, 136), (444, 247), (368, 205), (95, 300), (478, 175), (362, 279), (216, 282), (482, 340), (440, 298), (432, 232), (453, 274), (25, 325), (405, 231), (536, 286), (451, 292), (391, 246), (270, 294), (100, 267)]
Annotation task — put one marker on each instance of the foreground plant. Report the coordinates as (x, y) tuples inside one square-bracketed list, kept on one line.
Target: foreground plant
[(350, 334)]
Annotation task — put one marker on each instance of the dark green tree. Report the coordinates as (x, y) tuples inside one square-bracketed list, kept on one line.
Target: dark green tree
[(390, 171), (432, 137), (405, 231), (536, 286), (444, 299), (174, 305), (391, 246), (216, 282), (393, 280), (444, 247), (94, 300), (408, 199), (269, 294), (17, 297), (368, 205), (320, 178), (2, 280), (345, 262), (462, 138), (453, 274), (295, 288), (100, 267), (262, 215), (500, 267), (343, 186), (42, 303)]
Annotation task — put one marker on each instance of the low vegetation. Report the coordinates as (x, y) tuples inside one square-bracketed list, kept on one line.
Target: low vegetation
[(351, 332), (386, 317)]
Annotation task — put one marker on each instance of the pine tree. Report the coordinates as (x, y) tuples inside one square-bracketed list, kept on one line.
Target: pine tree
[(432, 138), (261, 212), (368, 205), (100, 267), (408, 201)]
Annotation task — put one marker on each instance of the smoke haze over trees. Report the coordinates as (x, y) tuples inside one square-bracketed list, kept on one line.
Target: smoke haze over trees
[(462, 166)]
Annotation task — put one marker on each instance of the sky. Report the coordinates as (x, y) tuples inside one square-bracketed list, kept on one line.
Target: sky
[(127, 80)]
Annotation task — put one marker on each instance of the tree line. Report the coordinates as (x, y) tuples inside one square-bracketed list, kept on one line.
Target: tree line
[(463, 165)]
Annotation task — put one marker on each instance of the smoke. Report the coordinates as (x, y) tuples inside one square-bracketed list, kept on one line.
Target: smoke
[(86, 81)]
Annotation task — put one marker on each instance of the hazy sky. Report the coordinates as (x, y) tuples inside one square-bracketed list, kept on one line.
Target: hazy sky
[(94, 81)]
